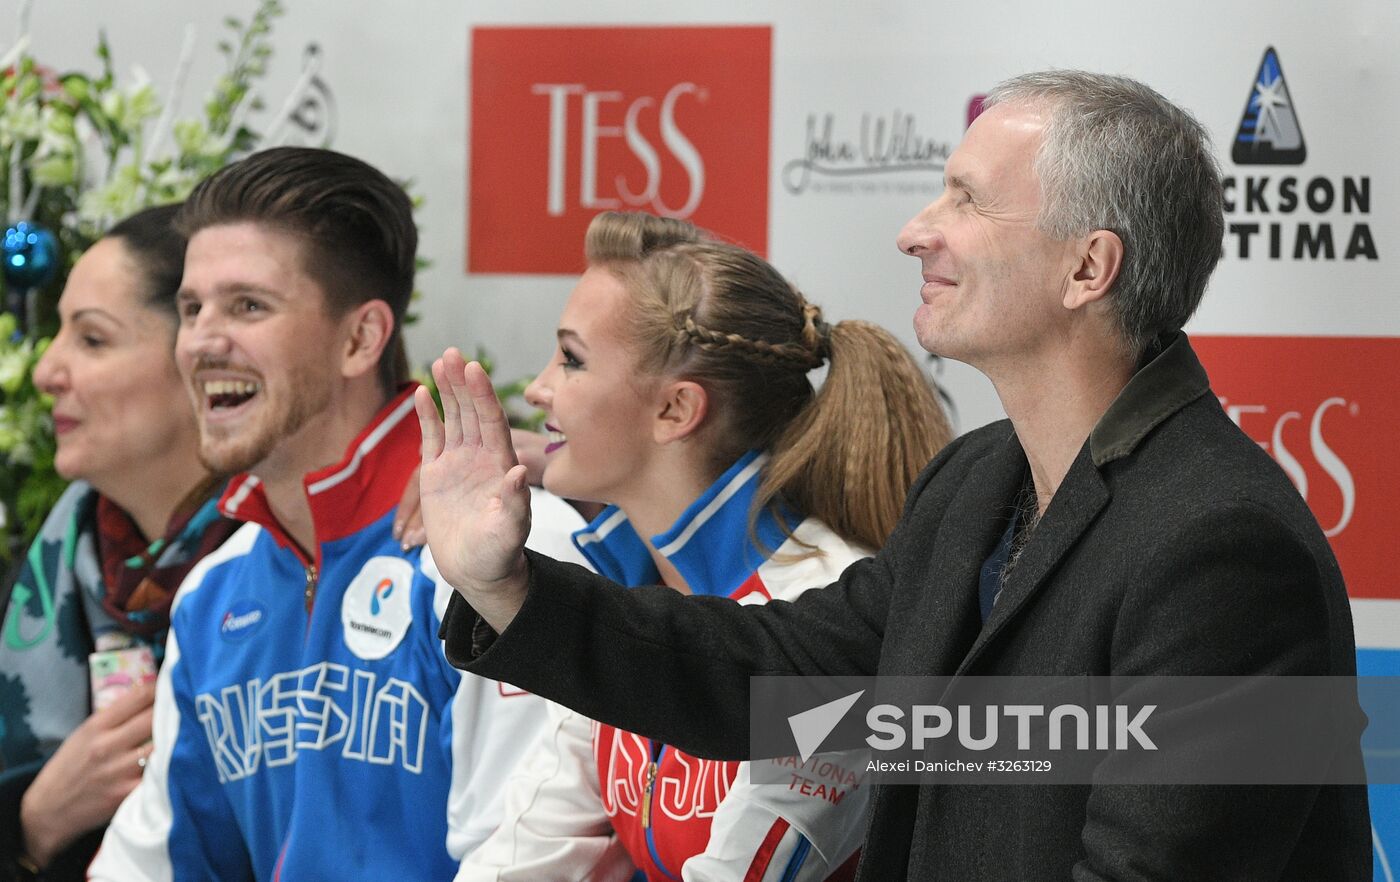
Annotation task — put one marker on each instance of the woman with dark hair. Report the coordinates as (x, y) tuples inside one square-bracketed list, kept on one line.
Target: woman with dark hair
[(680, 395), (104, 569)]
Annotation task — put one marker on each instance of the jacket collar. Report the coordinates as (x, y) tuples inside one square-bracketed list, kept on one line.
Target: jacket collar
[(709, 544), (346, 497), (1170, 379)]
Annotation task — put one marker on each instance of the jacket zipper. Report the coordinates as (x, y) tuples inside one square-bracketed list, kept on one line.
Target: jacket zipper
[(646, 795), (657, 751), (311, 577)]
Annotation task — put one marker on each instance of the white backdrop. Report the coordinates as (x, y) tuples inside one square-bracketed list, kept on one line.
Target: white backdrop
[(400, 82), (400, 79)]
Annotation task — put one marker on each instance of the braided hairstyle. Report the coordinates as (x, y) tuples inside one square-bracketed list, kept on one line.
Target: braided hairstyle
[(721, 316)]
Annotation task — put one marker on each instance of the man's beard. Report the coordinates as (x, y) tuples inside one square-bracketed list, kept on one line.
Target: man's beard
[(246, 447)]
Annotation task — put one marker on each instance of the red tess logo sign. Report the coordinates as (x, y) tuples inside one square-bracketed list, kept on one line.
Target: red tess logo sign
[(568, 122), (1328, 411)]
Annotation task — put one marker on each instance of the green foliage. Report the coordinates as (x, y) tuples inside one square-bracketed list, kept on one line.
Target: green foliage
[(29, 486), (511, 395), (78, 141)]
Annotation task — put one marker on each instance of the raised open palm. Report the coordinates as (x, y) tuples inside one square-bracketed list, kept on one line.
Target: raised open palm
[(476, 505)]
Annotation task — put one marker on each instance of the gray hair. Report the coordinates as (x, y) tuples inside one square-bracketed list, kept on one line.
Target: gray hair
[(1118, 156)]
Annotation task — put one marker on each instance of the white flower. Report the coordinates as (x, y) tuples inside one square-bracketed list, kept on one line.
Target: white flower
[(140, 105), (113, 103), (194, 140), (14, 444), (19, 121), (57, 132), (14, 367), (55, 171), (117, 198)]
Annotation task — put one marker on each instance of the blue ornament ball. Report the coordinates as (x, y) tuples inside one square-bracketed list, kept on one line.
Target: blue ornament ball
[(30, 256)]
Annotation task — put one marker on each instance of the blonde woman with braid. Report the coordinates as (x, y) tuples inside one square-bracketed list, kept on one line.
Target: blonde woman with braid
[(680, 396)]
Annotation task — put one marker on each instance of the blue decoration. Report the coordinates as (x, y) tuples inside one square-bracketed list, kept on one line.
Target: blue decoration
[(28, 259), (30, 256)]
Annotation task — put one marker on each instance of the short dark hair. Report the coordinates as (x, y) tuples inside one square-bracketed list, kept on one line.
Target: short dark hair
[(357, 225), (158, 249)]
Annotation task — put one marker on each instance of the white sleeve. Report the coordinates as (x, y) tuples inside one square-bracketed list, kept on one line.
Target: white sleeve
[(553, 523), (549, 799), (806, 827), (493, 725), (134, 847), (802, 830), (493, 728), (554, 827), (177, 820)]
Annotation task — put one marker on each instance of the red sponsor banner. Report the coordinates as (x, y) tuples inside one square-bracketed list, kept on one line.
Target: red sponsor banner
[(567, 122), (1328, 410)]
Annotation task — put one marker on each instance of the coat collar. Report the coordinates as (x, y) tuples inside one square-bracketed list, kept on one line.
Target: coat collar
[(710, 544), (346, 497), (1170, 379)]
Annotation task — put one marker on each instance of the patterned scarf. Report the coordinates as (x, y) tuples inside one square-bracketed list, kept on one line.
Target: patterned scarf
[(139, 589)]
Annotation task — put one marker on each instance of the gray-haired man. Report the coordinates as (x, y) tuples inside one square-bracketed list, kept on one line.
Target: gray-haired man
[(1117, 524)]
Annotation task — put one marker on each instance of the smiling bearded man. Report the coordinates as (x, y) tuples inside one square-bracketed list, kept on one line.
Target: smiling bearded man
[(307, 725)]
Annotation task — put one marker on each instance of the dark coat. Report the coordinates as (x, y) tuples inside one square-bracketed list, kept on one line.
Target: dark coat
[(1174, 546)]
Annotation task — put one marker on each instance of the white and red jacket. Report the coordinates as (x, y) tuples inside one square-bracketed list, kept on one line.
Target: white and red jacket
[(593, 802), (307, 725)]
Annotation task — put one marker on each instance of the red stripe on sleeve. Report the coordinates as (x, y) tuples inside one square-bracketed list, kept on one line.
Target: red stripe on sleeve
[(764, 856)]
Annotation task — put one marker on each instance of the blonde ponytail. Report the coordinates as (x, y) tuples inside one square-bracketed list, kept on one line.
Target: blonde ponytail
[(722, 316), (849, 457)]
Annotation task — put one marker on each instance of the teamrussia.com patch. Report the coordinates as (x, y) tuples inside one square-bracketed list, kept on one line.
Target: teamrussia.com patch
[(823, 736)]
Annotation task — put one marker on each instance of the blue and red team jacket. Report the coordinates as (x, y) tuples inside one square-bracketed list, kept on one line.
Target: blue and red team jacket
[(307, 724)]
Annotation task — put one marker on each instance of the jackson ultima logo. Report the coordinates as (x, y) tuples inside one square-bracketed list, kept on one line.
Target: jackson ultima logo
[(1269, 133), (568, 122), (1282, 216), (1325, 409)]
